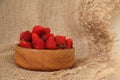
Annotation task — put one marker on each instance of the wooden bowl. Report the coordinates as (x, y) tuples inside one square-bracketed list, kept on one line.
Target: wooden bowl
[(47, 60)]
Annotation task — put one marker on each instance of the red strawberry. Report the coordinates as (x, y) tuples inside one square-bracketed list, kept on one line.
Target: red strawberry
[(26, 36), (51, 34), (69, 43), (58, 47), (50, 43), (38, 43), (60, 41), (25, 44), (46, 30), (45, 36), (38, 29)]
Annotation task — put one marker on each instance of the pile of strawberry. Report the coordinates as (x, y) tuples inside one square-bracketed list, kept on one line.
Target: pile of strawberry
[(42, 38)]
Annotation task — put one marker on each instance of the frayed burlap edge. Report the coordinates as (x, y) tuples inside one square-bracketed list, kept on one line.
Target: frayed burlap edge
[(94, 18)]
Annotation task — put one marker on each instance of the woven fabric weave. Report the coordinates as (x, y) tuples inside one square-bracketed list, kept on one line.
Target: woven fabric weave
[(86, 21)]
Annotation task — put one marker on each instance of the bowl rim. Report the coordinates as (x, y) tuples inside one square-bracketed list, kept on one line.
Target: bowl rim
[(44, 49)]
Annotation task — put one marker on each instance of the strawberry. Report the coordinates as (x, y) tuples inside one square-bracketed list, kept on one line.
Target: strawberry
[(51, 34), (38, 43), (45, 36), (60, 41), (69, 43), (46, 30), (25, 44), (50, 43), (58, 47), (38, 30), (26, 36)]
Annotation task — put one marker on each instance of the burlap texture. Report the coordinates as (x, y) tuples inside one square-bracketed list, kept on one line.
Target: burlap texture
[(86, 21)]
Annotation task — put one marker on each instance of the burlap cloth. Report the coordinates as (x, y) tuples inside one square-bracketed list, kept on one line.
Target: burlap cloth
[(86, 21)]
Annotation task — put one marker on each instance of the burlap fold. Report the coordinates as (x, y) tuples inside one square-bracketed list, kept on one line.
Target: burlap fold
[(87, 69)]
